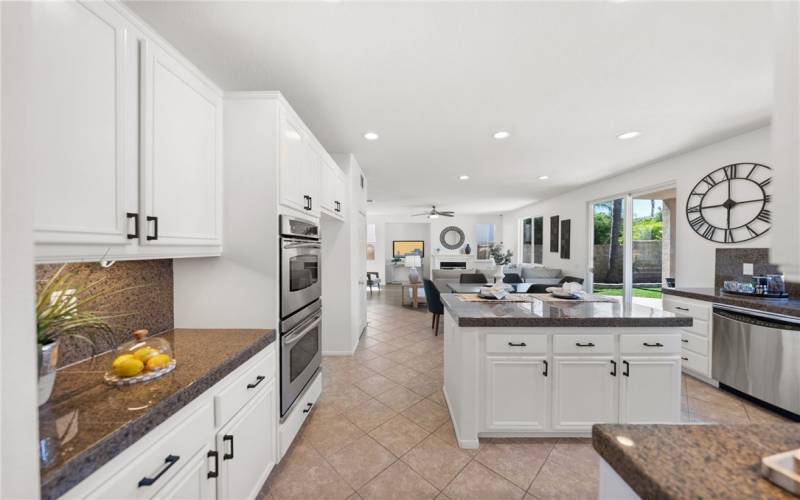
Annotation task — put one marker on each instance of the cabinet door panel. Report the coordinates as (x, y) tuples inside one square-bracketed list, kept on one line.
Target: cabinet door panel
[(517, 393), (246, 447), (76, 129), (292, 160), (181, 153), (193, 481), (584, 392), (651, 391)]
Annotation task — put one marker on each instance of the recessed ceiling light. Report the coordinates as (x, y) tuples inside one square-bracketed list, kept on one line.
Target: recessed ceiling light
[(502, 134), (544, 177), (371, 136), (629, 135), (463, 177)]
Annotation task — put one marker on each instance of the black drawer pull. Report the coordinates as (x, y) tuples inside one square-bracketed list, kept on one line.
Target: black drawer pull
[(627, 370), (682, 308), (155, 228), (685, 359), (657, 344), (308, 407), (135, 217), (169, 462), (614, 364), (587, 344), (215, 472), (259, 379), (521, 344), (227, 437), (546, 368)]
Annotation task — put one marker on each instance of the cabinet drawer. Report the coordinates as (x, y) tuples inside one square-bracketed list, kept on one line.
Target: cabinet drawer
[(516, 343), (158, 464), (669, 343), (583, 344), (695, 343), (692, 309), (298, 414), (699, 327), (695, 362), (232, 398)]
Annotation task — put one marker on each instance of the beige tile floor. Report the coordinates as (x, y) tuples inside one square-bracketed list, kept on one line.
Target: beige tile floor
[(381, 429)]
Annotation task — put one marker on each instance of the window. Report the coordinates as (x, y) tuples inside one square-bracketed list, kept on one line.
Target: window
[(538, 239), (527, 240), (484, 234), (532, 240)]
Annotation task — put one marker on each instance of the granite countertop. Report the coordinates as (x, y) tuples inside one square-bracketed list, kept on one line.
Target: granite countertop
[(86, 423), (695, 461), (787, 307), (561, 313)]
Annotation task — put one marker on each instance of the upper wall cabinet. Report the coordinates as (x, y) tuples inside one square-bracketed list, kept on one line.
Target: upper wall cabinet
[(77, 129), (334, 189), (299, 168), (124, 138), (181, 174)]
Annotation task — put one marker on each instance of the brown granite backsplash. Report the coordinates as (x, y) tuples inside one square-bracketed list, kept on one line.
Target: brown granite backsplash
[(728, 266), (150, 306)]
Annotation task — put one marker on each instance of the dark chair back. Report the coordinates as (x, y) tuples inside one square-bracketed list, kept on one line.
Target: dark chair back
[(570, 279), (512, 278), (476, 278), (538, 288), (432, 297), (370, 275)]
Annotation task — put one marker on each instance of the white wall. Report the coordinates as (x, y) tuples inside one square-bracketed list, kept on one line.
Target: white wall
[(467, 223), (694, 255)]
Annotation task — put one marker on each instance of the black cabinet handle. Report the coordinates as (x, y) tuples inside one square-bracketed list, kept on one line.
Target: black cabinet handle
[(546, 368), (215, 472), (657, 344), (155, 228), (308, 407), (227, 437), (259, 379), (685, 340), (614, 364), (310, 203), (682, 308), (627, 370), (338, 206), (135, 217), (587, 344), (168, 462), (521, 344), (685, 359)]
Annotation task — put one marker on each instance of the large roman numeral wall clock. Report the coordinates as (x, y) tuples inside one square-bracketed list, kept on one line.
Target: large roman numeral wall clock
[(729, 205)]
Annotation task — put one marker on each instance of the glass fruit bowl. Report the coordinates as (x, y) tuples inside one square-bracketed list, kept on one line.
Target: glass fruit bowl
[(141, 359)]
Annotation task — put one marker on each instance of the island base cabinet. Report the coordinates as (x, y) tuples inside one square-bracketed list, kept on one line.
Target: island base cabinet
[(246, 447), (193, 482), (584, 392), (650, 390), (517, 392)]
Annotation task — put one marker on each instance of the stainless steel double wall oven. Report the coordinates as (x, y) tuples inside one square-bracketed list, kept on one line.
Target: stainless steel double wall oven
[(301, 307)]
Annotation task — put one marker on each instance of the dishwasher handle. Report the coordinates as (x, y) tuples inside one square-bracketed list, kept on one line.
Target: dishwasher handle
[(758, 318)]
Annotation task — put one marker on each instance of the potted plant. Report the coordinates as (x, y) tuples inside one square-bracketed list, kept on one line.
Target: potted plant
[(500, 259), (62, 311)]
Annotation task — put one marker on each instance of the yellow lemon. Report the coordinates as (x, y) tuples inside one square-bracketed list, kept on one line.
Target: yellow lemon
[(145, 353), (121, 359), (158, 362), (127, 367)]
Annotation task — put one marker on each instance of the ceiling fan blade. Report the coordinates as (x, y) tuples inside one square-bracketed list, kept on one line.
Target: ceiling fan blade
[(445, 214), (417, 215)]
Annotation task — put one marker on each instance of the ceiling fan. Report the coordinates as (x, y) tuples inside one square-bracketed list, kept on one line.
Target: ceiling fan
[(435, 214)]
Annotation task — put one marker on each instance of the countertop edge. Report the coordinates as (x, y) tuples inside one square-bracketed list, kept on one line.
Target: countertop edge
[(755, 303), (677, 322), (59, 481)]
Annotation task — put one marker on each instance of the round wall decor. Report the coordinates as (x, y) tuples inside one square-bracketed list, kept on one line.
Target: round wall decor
[(729, 205), (452, 237)]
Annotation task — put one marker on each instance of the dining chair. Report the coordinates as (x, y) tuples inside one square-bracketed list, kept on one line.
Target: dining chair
[(434, 301), (472, 278), (513, 278), (373, 279)]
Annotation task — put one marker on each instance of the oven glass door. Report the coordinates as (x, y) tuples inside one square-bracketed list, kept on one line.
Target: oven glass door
[(300, 275), (303, 271), (300, 358)]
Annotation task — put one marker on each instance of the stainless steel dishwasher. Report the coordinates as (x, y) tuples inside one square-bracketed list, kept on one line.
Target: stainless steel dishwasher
[(758, 354)]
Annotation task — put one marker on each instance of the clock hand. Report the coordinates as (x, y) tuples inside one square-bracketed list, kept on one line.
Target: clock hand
[(737, 203)]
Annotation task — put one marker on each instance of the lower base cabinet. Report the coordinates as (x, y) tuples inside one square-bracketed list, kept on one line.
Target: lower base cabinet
[(517, 390), (584, 392), (650, 390), (246, 447), (193, 481)]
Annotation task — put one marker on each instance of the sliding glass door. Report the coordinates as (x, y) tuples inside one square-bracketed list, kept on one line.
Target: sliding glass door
[(607, 253)]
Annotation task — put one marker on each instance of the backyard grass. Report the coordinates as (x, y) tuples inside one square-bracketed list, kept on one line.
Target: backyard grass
[(648, 293)]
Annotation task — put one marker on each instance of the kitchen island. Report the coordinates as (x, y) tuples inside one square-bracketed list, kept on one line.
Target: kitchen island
[(536, 366)]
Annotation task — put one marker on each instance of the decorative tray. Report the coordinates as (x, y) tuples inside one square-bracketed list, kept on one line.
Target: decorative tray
[(145, 376), (783, 295), (783, 469)]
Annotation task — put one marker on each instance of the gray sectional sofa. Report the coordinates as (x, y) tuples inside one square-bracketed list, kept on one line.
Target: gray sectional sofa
[(539, 275)]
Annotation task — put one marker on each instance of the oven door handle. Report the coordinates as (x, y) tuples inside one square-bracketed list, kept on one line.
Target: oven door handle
[(295, 337), (301, 245)]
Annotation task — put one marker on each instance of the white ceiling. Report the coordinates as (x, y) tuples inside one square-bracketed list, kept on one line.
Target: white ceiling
[(435, 80)]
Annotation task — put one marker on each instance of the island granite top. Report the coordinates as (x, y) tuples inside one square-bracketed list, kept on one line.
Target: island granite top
[(787, 307), (86, 423), (562, 313), (695, 461)]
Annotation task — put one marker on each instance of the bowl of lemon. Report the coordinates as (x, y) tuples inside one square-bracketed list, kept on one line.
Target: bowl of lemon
[(141, 359)]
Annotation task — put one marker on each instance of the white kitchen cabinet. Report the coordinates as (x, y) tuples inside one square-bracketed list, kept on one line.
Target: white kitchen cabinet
[(195, 481), (181, 176), (650, 389), (299, 169), (517, 393), (334, 189), (584, 392), (76, 128), (697, 339), (246, 447)]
